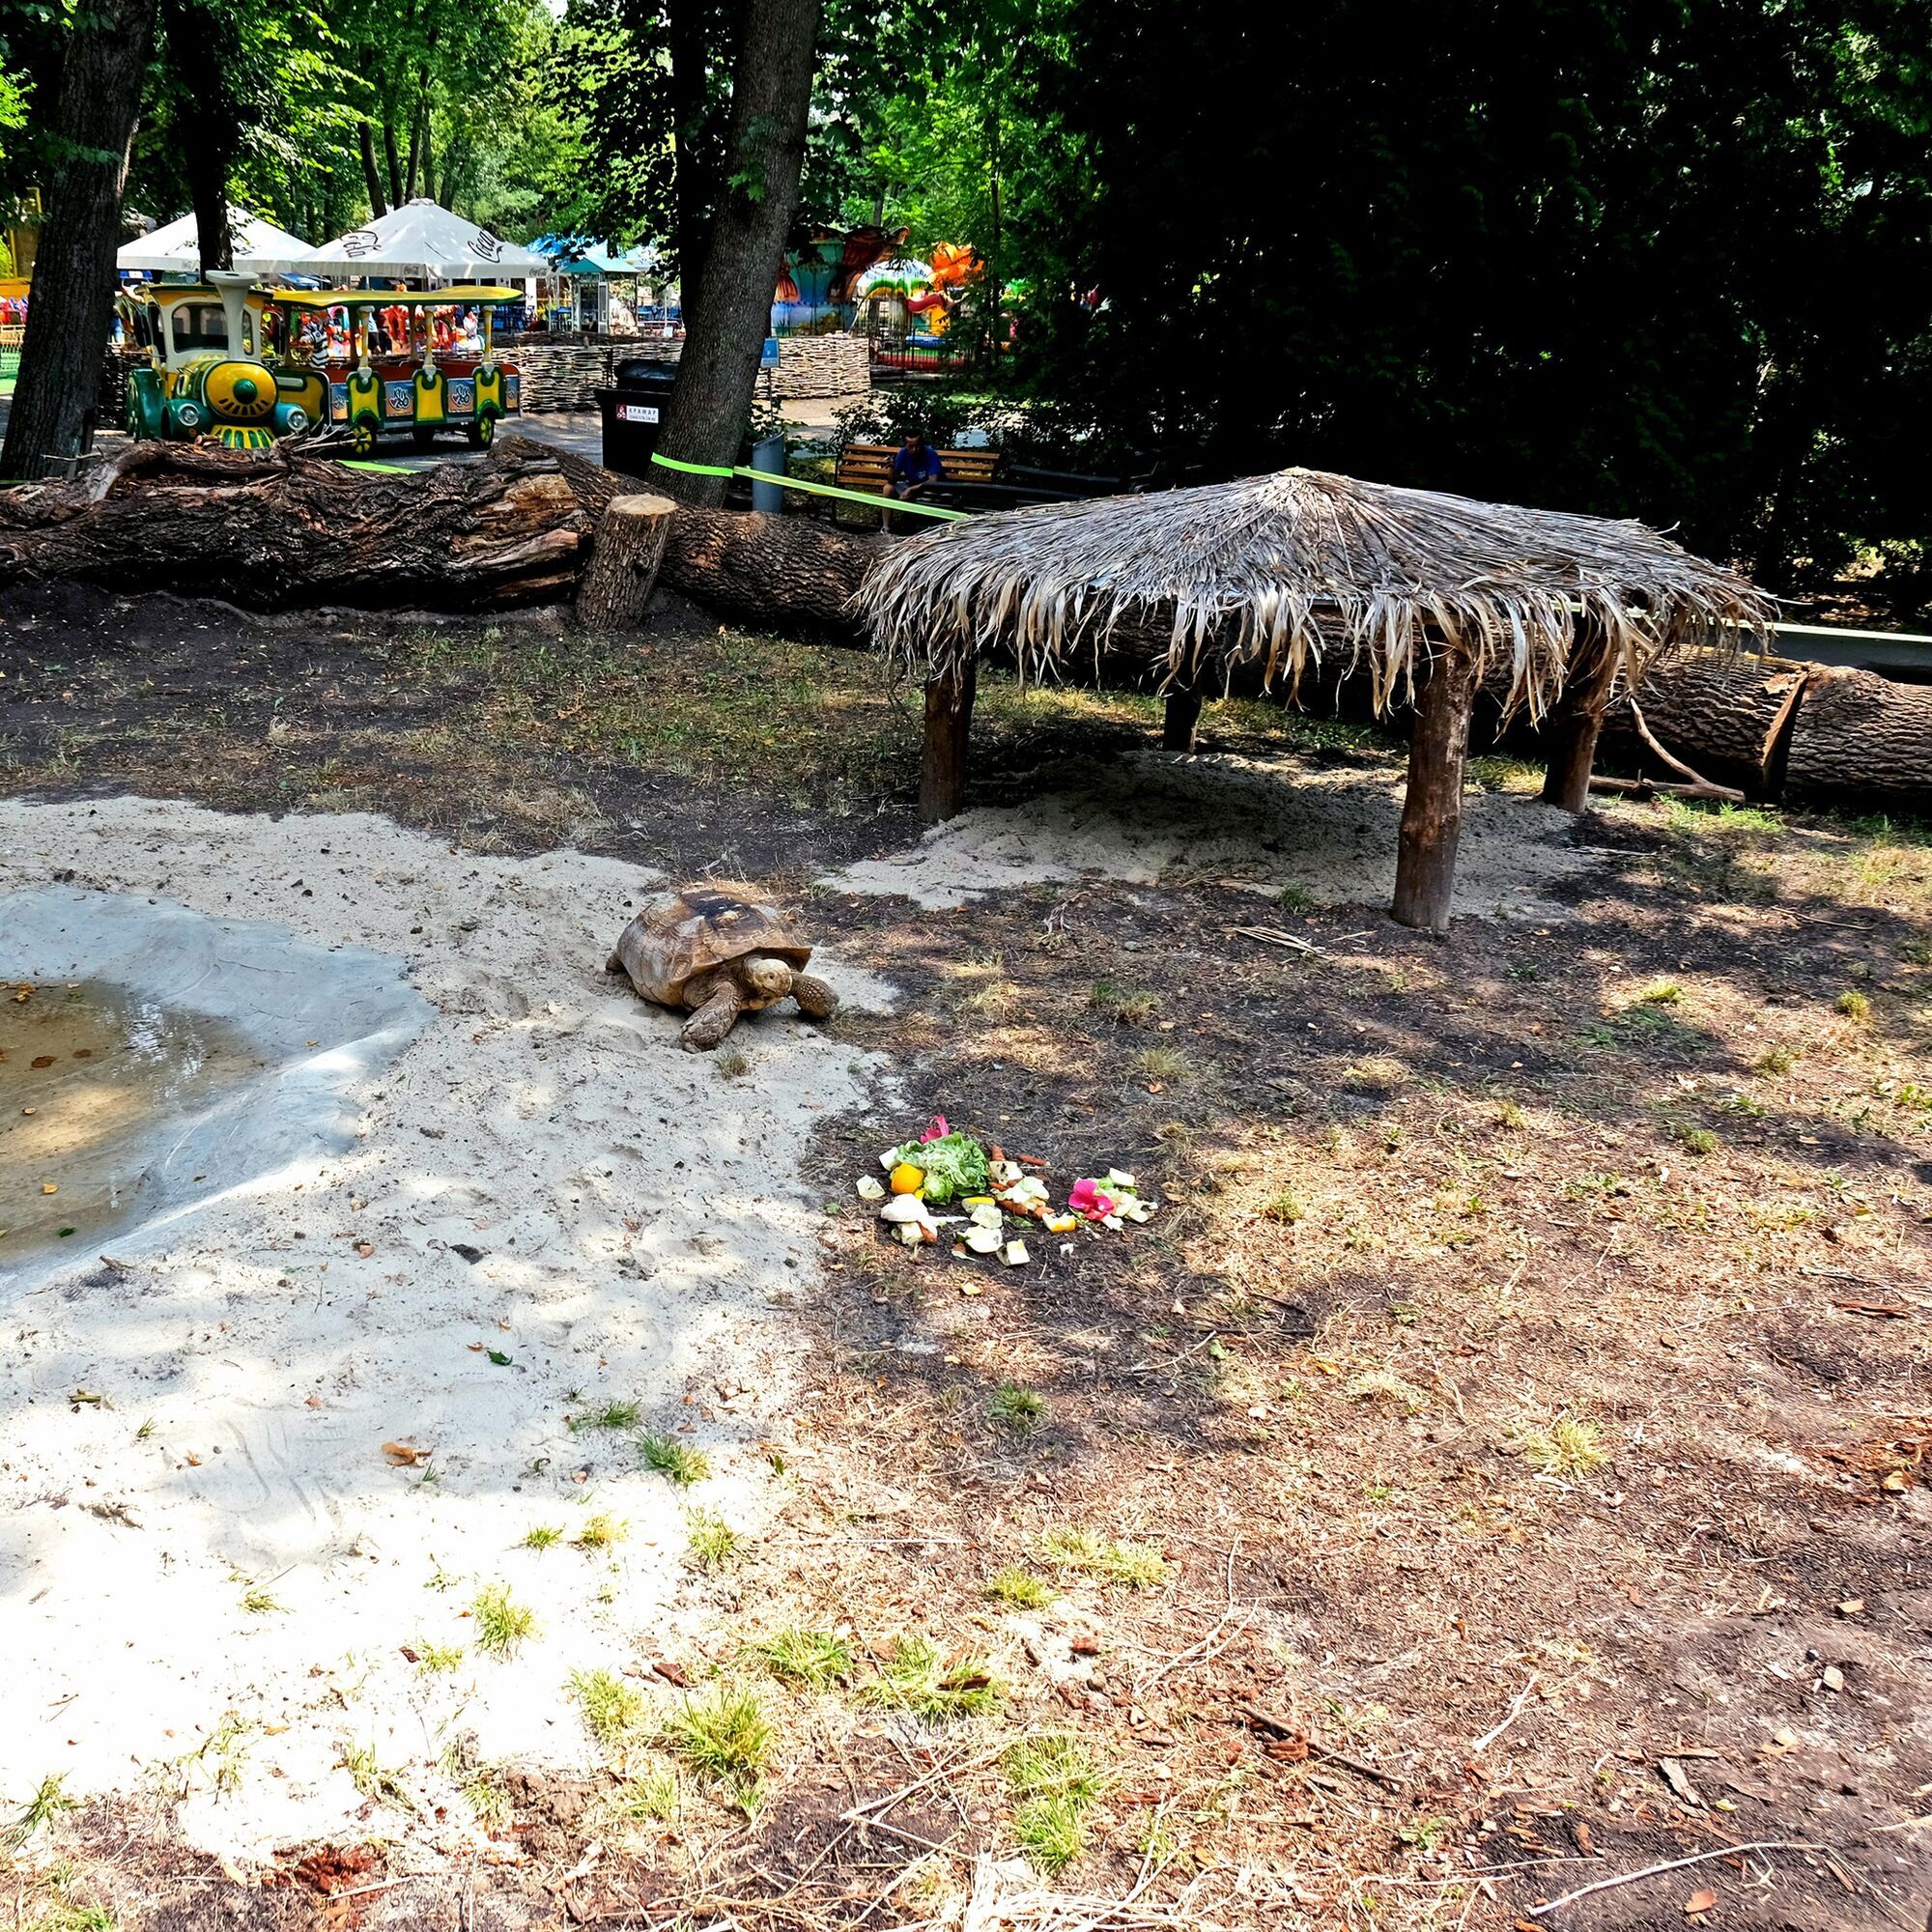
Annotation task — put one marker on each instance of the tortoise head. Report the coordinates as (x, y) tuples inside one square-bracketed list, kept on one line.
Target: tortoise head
[(768, 978)]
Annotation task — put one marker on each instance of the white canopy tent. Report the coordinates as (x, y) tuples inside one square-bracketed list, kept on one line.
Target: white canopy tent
[(261, 248), (423, 242)]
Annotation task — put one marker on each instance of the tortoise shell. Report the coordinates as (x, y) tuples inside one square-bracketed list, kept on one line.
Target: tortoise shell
[(667, 946)]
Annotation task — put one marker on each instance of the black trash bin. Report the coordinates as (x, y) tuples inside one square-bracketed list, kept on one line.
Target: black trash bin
[(634, 408)]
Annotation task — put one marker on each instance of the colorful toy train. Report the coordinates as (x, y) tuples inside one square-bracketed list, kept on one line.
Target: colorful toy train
[(245, 367)]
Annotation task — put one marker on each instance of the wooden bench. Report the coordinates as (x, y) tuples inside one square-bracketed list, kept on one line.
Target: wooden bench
[(868, 466)]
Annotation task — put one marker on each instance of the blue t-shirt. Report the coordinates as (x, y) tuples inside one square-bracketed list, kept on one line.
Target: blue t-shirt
[(915, 465)]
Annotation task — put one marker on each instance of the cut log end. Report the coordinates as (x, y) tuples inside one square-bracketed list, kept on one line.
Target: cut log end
[(617, 583)]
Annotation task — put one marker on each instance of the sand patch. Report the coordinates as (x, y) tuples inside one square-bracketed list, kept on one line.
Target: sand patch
[(1331, 830), (635, 1227)]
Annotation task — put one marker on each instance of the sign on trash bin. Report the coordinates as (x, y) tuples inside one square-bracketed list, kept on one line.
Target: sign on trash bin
[(638, 412)]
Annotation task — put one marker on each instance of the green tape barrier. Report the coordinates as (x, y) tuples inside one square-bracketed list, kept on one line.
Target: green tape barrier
[(893, 505), (378, 468)]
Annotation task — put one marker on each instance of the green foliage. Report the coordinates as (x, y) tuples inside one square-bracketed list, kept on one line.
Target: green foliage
[(1054, 1779), (953, 1164)]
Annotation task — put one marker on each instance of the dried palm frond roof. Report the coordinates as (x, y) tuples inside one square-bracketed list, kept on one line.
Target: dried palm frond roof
[(1276, 573)]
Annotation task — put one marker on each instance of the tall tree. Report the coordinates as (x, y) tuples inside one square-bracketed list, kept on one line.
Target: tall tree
[(765, 156), (56, 395)]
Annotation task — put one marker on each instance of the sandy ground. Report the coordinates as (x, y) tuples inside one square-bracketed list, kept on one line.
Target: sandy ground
[(639, 1225), (1152, 817)]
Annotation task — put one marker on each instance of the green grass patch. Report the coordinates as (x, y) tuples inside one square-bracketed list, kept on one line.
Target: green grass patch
[(542, 1536), (1056, 1783), (1135, 1566), (817, 1658), (917, 1679), (713, 1544), (724, 1734), (678, 1461), (613, 1710), (501, 1621), (1020, 1588), (601, 1531), (1018, 1410)]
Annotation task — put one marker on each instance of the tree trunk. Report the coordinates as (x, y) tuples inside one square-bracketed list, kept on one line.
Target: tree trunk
[(372, 180), (630, 545), (57, 393), (771, 92), (203, 51), (692, 188), (1183, 716), (1432, 812), (1572, 732), (1731, 718), (948, 722), (396, 194)]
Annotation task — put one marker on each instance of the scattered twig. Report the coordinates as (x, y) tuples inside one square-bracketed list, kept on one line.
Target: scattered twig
[(1673, 1865), (1280, 1727), (1510, 1717), (1273, 935)]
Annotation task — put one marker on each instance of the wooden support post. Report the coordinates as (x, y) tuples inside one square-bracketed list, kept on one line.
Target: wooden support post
[(1432, 812), (948, 718), (1575, 723), (1183, 715), (629, 546)]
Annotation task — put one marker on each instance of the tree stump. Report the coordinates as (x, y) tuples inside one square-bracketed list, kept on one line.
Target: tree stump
[(949, 719), (1432, 812), (1183, 717), (624, 557)]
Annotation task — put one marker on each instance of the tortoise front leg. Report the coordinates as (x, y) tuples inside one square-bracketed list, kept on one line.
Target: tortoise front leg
[(816, 1001), (716, 1017)]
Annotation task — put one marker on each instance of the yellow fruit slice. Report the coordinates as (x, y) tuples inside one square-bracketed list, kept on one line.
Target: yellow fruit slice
[(906, 1178)]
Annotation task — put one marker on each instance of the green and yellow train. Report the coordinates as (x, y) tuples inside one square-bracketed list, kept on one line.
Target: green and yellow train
[(245, 367)]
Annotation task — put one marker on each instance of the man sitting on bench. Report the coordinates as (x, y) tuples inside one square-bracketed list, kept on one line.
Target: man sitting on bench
[(915, 464)]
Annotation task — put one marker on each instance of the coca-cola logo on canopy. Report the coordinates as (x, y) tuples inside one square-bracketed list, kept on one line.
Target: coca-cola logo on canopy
[(488, 246), (360, 242)]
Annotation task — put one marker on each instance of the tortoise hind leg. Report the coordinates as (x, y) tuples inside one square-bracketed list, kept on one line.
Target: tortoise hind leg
[(816, 1001), (614, 964), (715, 1018)]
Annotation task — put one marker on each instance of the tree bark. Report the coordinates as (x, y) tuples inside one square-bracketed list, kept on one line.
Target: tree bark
[(57, 393), (948, 723), (366, 142), (1432, 812), (616, 583), (771, 92), (1182, 718), (1861, 734)]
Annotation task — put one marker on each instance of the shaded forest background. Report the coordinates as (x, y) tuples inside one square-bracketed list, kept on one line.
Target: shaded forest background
[(1663, 258)]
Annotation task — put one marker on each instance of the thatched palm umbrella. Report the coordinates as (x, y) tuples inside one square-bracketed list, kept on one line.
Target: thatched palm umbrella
[(1262, 580)]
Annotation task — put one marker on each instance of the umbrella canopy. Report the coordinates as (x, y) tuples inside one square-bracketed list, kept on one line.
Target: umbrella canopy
[(1275, 572), (424, 240), (899, 277), (261, 248)]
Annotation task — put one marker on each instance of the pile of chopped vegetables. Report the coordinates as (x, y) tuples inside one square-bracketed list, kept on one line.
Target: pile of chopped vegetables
[(944, 1167)]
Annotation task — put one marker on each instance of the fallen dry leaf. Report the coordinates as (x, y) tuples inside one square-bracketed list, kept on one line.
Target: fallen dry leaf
[(1700, 1901), (405, 1455)]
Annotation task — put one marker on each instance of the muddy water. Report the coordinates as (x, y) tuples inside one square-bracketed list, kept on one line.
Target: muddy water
[(87, 1072)]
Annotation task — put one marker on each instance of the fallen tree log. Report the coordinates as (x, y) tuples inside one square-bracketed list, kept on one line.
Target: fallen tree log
[(288, 527), (293, 526)]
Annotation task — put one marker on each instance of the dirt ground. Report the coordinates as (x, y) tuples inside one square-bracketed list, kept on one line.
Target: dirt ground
[(1496, 1471)]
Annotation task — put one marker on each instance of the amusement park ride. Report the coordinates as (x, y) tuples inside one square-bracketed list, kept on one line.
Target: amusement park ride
[(245, 366)]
